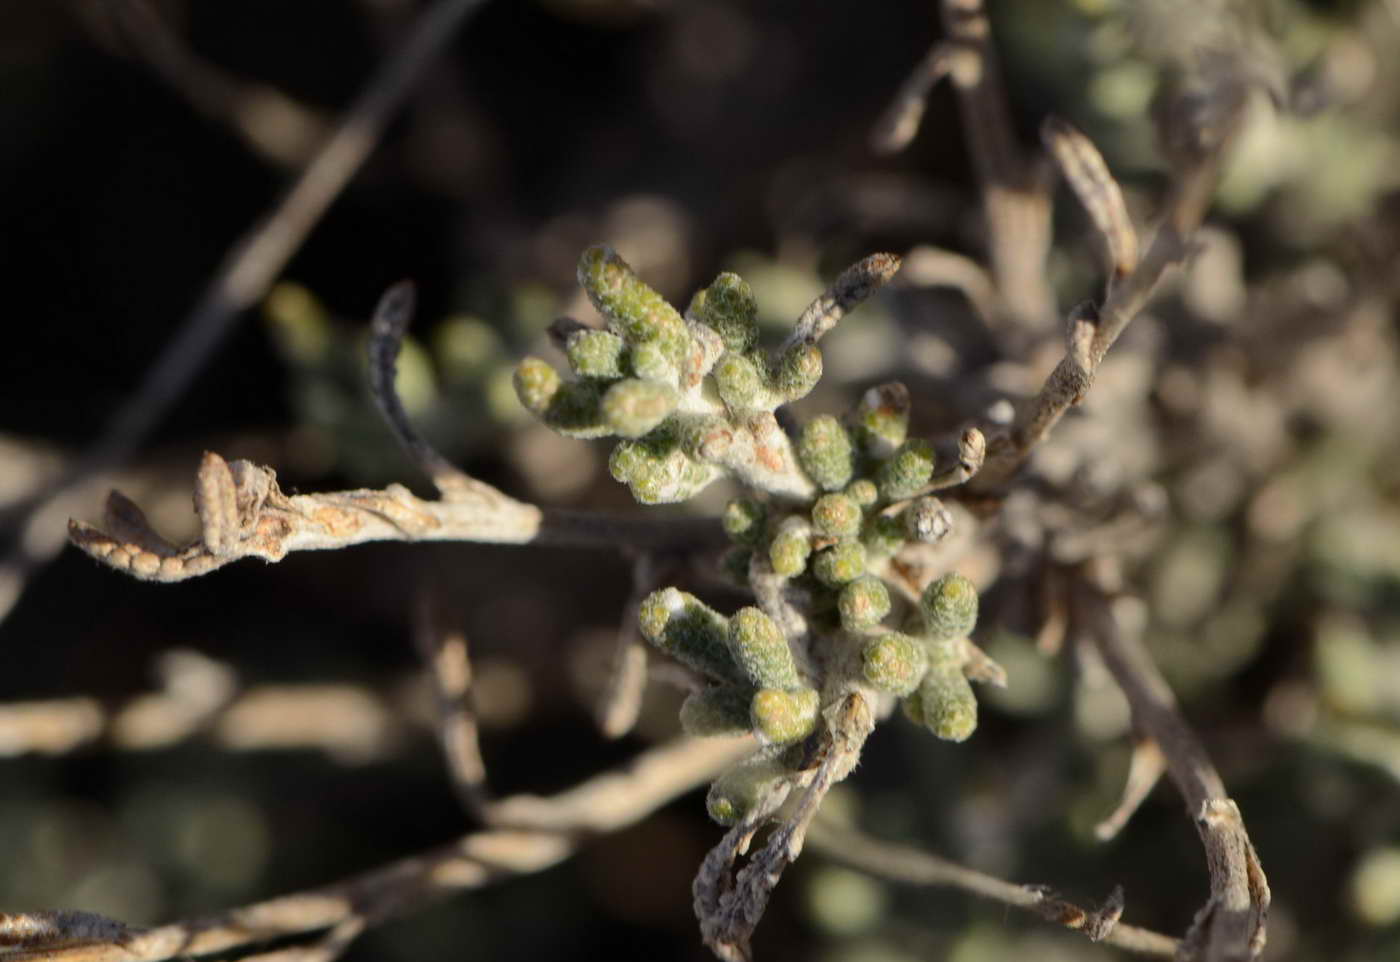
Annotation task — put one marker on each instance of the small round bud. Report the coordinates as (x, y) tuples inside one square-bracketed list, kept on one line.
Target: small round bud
[(633, 408), (536, 383), (894, 663), (863, 603), (690, 631), (863, 492), (842, 562), (950, 607), (780, 717), (761, 651), (927, 520), (826, 453), (729, 308), (596, 354), (791, 548), (881, 418), (947, 704), (652, 361), (739, 383), (907, 470), (836, 515), (744, 520), (798, 371)]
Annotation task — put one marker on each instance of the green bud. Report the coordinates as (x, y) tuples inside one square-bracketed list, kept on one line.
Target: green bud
[(572, 408), (740, 384), (895, 663), (633, 408), (836, 515), (881, 419), (717, 710), (862, 491), (744, 520), (826, 453), (883, 536), (780, 717), (842, 562), (759, 648), (596, 354), (949, 607), (690, 631), (651, 361), (633, 309), (791, 547), (908, 470), (798, 371), (927, 520), (536, 383), (946, 704), (863, 603), (734, 794), (729, 308)]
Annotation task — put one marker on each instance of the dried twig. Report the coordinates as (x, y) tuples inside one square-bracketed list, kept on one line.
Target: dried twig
[(900, 122), (1084, 169), (1145, 770), (254, 261), (730, 907), (902, 864), (1231, 925), (450, 668), (244, 514), (621, 702), (1091, 331), (604, 803), (847, 292)]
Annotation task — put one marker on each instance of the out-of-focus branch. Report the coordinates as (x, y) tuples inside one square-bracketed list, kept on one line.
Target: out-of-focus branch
[(449, 666), (1092, 330), (256, 258), (899, 863), (604, 803), (1015, 193), (1231, 925), (273, 125)]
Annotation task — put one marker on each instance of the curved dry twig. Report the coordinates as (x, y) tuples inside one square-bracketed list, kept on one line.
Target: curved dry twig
[(1232, 923), (604, 803), (900, 863)]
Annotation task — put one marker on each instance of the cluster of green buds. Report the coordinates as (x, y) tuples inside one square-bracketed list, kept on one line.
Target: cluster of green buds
[(692, 399)]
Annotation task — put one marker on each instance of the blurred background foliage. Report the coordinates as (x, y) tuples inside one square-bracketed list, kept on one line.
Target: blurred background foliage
[(1256, 402)]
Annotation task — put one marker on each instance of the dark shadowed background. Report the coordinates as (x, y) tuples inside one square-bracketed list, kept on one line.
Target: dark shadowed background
[(694, 137)]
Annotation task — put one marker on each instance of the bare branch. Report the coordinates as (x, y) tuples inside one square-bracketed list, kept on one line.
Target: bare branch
[(1015, 195), (622, 697), (902, 864), (900, 122), (450, 668), (1084, 169), (1090, 333), (390, 322), (850, 288), (252, 518), (1145, 770), (1231, 925), (604, 803)]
